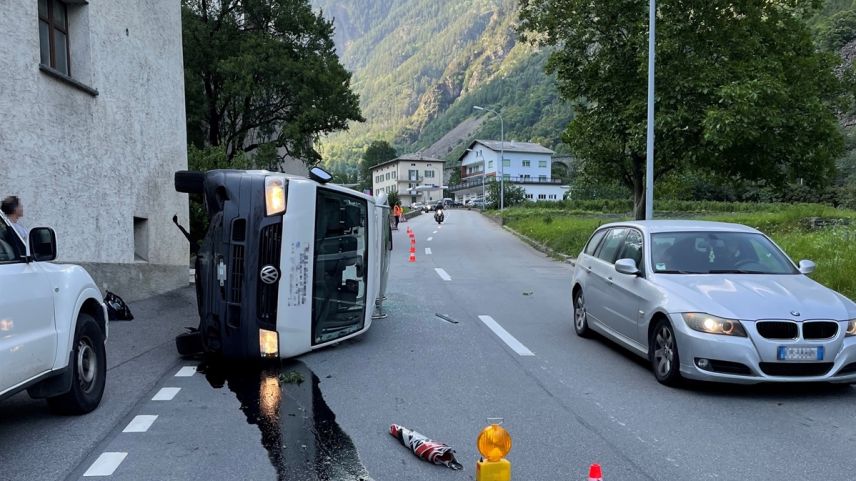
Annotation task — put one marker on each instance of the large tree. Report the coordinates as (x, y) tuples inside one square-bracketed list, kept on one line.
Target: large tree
[(741, 90), (376, 153), (262, 76)]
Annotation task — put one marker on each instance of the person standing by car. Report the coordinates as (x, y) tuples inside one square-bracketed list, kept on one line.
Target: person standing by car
[(396, 213), (14, 210)]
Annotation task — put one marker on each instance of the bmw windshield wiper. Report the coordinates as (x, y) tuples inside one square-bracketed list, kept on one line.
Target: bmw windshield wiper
[(734, 271), (673, 271)]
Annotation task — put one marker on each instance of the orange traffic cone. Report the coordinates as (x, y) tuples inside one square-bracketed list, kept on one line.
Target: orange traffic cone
[(595, 473)]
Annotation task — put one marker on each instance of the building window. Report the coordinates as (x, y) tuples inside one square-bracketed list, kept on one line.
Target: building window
[(413, 165), (490, 164), (506, 162), (395, 175), (53, 35), (429, 174), (527, 163), (506, 177), (141, 239), (528, 196), (388, 176), (413, 175), (542, 164), (542, 178), (542, 196), (553, 196), (526, 177)]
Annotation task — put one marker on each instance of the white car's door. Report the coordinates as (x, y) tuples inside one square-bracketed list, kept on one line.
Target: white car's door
[(599, 290), (27, 329)]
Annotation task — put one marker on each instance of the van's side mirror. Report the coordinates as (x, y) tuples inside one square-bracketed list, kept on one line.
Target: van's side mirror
[(320, 175), (807, 267), (627, 267), (43, 244)]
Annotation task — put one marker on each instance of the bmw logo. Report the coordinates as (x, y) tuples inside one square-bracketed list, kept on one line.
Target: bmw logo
[(269, 274), (795, 313)]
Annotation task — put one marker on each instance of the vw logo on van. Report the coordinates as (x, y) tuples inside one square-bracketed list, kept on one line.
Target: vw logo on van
[(269, 274)]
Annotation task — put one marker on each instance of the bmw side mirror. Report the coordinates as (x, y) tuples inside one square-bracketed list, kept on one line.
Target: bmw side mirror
[(807, 266), (627, 267), (43, 244)]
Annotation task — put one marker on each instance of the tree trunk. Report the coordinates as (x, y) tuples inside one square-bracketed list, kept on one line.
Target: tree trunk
[(638, 188)]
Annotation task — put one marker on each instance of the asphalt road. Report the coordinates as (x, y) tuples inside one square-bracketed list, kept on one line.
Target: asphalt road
[(504, 348)]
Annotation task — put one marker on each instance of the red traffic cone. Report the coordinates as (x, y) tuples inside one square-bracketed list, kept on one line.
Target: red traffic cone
[(413, 249), (412, 242), (595, 473), (413, 255)]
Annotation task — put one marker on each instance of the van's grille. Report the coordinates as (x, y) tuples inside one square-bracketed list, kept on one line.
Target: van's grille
[(270, 246), (820, 329), (778, 329), (236, 274)]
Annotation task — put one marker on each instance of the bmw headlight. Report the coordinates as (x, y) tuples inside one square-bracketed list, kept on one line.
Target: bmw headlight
[(699, 321), (851, 328)]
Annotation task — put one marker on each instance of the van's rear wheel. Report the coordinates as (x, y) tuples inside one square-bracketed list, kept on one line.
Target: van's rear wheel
[(89, 370)]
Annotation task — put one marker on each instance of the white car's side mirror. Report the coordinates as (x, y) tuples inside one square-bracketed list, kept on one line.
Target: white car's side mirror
[(627, 266), (807, 266)]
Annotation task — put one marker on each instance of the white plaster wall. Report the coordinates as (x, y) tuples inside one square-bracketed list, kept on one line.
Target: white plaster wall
[(87, 165), (516, 169), (535, 190)]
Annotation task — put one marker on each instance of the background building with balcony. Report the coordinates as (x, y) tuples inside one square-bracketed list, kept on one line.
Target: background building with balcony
[(414, 177), (525, 164)]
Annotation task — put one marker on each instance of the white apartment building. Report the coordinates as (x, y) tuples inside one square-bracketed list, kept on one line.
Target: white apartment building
[(414, 177), (525, 164), (92, 131)]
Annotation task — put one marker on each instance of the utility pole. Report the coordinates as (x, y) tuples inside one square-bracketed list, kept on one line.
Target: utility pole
[(649, 161), (501, 155)]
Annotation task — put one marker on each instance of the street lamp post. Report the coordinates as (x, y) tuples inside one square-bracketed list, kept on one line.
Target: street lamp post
[(501, 155), (649, 164)]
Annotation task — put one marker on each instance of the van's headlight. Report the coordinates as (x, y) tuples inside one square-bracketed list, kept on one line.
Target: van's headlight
[(851, 328), (699, 321), (268, 343), (275, 195)]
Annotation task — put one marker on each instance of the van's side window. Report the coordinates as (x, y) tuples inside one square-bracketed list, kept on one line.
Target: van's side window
[(11, 249)]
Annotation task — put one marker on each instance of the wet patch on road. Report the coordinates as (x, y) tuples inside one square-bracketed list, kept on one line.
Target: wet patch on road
[(299, 431)]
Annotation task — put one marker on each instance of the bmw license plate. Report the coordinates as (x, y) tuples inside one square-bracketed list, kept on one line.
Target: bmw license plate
[(800, 353)]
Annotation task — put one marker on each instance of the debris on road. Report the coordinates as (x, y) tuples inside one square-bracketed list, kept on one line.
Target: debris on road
[(428, 450), (446, 318), (528, 293)]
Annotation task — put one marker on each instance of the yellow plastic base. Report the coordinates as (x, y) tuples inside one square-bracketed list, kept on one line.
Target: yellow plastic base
[(493, 471)]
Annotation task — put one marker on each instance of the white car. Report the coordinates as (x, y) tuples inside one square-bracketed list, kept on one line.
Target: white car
[(53, 325)]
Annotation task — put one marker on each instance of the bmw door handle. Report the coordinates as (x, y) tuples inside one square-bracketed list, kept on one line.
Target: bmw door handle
[(609, 280), (588, 268)]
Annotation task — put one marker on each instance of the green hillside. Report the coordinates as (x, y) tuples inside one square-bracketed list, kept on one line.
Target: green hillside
[(420, 65)]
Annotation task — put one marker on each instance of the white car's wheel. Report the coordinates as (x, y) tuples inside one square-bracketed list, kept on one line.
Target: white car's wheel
[(580, 315), (89, 370)]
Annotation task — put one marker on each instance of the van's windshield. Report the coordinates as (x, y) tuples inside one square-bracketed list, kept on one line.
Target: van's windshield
[(341, 266)]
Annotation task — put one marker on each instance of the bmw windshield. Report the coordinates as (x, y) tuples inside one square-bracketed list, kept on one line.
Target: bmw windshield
[(717, 253)]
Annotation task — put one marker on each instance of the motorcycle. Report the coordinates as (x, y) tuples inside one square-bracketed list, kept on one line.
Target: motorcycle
[(439, 217)]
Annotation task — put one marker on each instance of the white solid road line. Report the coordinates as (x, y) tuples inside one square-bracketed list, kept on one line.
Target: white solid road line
[(166, 394), (443, 274), (105, 465), (186, 371), (507, 338), (140, 424), (427, 251), (430, 239)]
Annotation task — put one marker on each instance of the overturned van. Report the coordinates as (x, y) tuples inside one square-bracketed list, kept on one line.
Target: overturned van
[(288, 264)]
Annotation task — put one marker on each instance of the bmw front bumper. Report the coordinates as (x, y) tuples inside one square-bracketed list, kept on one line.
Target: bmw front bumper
[(753, 359)]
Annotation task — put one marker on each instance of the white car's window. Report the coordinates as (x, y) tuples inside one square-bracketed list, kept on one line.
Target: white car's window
[(717, 253), (11, 249), (611, 245)]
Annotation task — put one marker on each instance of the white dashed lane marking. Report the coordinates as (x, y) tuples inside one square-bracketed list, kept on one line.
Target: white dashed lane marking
[(443, 274), (105, 465), (186, 371), (427, 251), (166, 394), (140, 424), (434, 232), (507, 338), (430, 239)]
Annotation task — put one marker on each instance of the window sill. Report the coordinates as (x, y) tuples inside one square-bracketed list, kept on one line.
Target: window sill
[(68, 80)]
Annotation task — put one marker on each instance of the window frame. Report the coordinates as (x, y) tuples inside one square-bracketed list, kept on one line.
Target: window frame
[(617, 251), (527, 163), (542, 164), (603, 233), (7, 227), (52, 26), (620, 255)]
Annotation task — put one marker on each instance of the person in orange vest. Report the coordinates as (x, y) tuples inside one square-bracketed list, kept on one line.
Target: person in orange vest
[(396, 213)]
